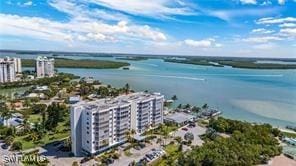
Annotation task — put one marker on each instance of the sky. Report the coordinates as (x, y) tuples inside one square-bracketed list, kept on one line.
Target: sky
[(240, 28)]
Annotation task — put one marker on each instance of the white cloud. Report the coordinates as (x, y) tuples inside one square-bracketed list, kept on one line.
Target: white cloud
[(281, 2), (262, 39), (287, 25), (266, 3), (29, 3), (248, 2), (82, 12), (227, 15), (264, 46), (272, 20), (262, 31), (74, 30), (155, 8), (218, 45), (202, 43), (22, 4), (288, 32)]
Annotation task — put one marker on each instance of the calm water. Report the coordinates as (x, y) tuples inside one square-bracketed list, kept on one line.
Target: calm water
[(254, 95)]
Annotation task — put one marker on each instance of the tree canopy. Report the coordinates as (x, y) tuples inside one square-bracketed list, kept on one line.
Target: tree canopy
[(248, 144)]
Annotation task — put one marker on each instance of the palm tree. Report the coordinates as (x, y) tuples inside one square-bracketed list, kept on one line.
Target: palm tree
[(128, 135), (205, 106), (127, 88), (27, 103), (133, 131), (174, 97), (34, 136), (26, 126), (5, 114)]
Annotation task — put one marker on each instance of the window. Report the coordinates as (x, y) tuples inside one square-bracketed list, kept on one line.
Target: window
[(87, 142)]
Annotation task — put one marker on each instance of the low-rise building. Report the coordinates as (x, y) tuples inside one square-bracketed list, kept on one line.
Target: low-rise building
[(101, 124), (179, 118), (15, 120), (74, 99)]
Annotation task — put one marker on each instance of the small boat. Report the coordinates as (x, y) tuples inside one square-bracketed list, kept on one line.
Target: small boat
[(125, 68)]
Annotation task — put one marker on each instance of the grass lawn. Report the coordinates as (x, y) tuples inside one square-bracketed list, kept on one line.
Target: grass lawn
[(172, 152), (127, 153), (34, 118), (163, 130), (171, 148), (62, 132)]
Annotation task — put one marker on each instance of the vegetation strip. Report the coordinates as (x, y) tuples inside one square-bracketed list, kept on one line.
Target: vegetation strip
[(248, 64), (80, 63)]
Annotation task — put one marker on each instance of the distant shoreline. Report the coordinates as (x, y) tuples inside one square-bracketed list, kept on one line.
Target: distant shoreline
[(244, 64), (80, 63)]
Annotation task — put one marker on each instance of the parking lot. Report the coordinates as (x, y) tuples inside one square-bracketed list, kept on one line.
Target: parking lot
[(136, 154), (196, 131)]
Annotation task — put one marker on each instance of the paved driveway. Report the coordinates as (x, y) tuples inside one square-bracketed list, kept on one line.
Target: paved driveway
[(136, 155), (6, 153), (196, 131)]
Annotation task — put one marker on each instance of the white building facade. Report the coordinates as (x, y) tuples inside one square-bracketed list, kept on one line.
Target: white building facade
[(99, 125), (8, 70), (44, 67), (17, 65)]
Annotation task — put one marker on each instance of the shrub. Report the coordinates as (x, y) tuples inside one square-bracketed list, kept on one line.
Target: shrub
[(17, 145), (8, 140)]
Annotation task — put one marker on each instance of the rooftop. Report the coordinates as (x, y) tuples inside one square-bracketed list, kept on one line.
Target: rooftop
[(119, 101), (179, 117)]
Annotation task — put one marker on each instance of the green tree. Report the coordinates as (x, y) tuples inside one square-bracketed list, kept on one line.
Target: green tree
[(205, 106), (174, 97), (17, 145), (127, 88), (75, 163), (26, 126), (8, 140), (5, 113), (38, 108)]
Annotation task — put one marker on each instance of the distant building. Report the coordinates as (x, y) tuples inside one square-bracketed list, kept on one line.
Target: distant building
[(74, 99), (7, 70), (41, 88), (17, 65), (88, 80), (44, 67), (101, 124)]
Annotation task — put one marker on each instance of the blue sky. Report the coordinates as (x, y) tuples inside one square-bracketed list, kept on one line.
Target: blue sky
[(242, 28)]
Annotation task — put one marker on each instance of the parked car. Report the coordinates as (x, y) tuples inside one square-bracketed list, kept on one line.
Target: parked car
[(142, 145), (4, 146), (185, 129), (192, 125), (137, 147)]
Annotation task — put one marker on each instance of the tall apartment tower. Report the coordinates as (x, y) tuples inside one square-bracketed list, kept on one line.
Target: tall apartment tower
[(99, 125), (17, 65), (7, 70), (44, 67)]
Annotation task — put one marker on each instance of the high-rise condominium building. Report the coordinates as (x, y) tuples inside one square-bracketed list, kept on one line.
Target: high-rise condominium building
[(99, 125), (17, 65), (8, 70), (44, 67)]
